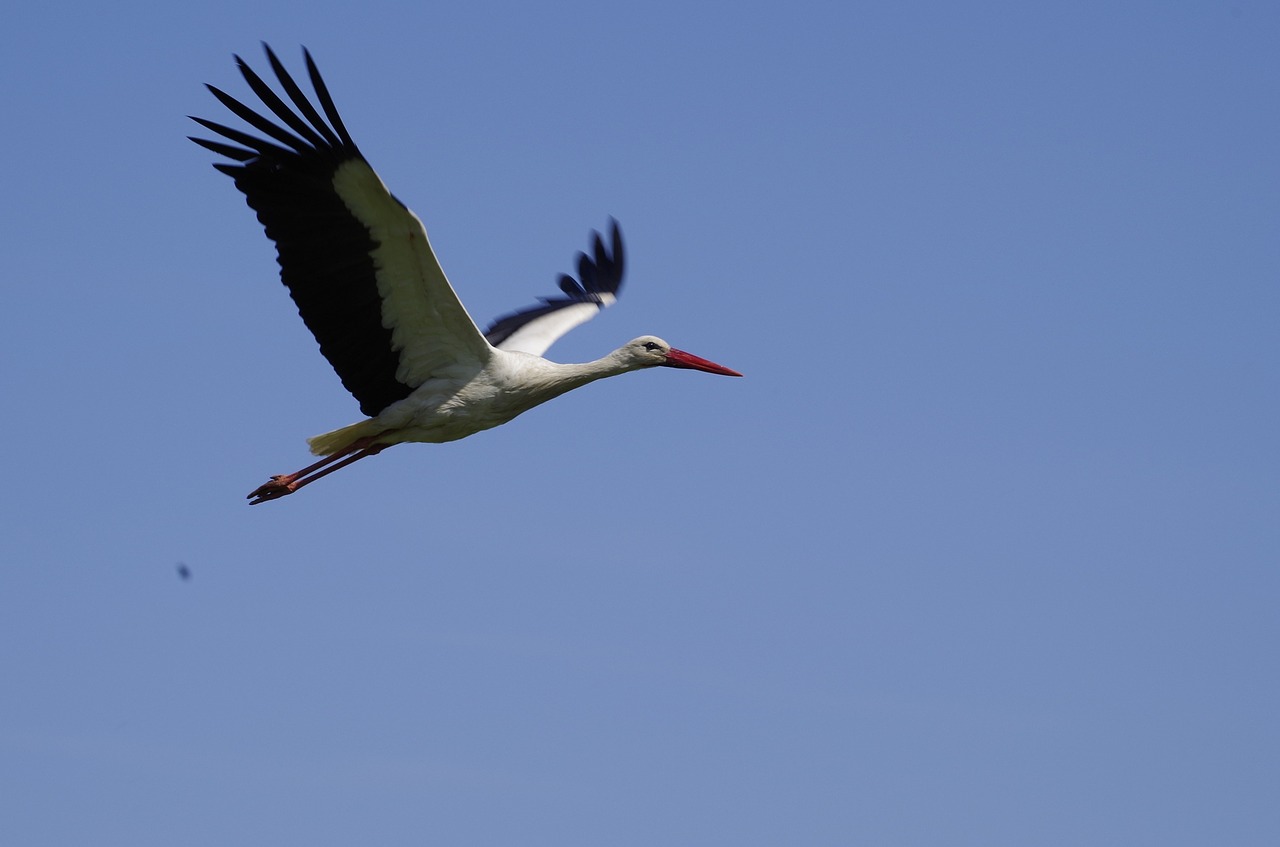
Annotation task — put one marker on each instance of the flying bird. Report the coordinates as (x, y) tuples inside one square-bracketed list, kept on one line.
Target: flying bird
[(367, 284)]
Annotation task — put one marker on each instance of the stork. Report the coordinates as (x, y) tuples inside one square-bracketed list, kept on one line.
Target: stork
[(367, 284)]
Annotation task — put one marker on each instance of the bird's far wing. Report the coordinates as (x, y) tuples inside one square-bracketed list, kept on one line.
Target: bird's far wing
[(356, 261), (536, 328)]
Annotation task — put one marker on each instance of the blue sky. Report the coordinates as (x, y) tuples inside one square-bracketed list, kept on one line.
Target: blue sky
[(983, 550)]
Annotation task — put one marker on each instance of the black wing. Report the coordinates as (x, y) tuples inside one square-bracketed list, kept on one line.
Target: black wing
[(356, 261)]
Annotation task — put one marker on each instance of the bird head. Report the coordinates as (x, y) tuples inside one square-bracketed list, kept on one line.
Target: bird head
[(649, 351)]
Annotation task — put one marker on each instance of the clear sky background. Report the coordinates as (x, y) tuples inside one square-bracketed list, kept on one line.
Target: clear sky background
[(984, 550)]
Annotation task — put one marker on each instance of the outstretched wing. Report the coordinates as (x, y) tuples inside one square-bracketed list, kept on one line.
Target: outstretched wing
[(536, 328), (356, 261)]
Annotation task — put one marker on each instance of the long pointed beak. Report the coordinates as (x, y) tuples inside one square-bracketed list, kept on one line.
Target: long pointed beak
[(680, 359)]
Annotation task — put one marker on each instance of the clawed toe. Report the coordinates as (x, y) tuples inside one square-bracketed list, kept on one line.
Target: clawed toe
[(273, 489)]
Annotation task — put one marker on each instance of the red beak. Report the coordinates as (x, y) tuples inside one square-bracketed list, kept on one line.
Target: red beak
[(680, 359)]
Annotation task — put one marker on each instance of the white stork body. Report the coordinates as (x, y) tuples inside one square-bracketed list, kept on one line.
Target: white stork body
[(465, 401), (359, 267)]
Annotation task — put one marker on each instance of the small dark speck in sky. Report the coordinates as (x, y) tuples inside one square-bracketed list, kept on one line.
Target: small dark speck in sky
[(184, 571)]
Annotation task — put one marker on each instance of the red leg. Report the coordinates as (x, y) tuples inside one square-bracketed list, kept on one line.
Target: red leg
[(281, 484)]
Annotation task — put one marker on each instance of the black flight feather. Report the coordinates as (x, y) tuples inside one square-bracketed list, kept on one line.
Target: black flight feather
[(324, 252), (600, 273)]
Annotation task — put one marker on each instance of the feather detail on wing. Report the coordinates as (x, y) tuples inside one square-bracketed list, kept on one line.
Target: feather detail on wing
[(536, 328), (356, 261)]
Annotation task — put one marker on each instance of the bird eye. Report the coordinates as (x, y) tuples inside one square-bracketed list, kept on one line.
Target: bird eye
[(651, 345)]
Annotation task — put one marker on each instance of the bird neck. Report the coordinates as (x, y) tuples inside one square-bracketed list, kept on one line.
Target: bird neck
[(551, 379), (578, 374)]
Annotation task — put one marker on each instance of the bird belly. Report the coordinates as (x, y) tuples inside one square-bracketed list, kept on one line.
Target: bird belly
[(434, 417)]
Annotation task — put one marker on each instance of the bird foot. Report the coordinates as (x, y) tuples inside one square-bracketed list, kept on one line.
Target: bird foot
[(273, 489)]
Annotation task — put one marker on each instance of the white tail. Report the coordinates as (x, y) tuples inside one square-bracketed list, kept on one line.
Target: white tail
[(328, 443)]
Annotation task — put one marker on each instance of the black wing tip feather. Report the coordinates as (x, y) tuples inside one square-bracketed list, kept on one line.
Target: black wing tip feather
[(601, 270), (326, 101), (284, 166), (300, 131), (599, 273)]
